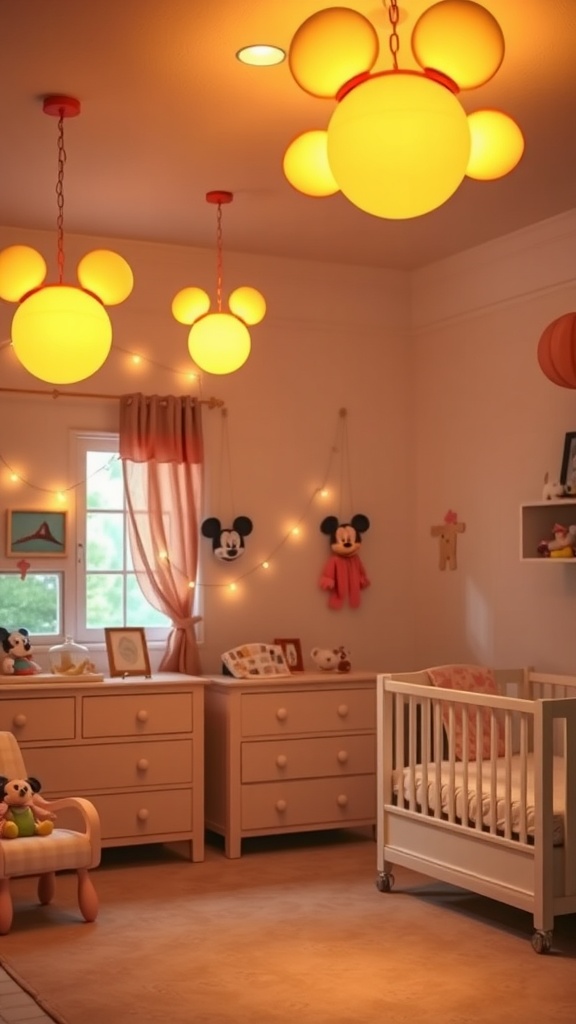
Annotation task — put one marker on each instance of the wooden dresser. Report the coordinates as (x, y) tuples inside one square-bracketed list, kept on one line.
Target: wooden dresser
[(289, 755), (134, 747)]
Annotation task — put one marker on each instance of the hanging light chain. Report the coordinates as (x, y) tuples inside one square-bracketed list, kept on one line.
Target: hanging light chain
[(394, 41), (60, 196), (219, 257)]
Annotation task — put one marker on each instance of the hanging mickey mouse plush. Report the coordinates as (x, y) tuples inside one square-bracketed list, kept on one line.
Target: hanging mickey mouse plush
[(344, 575), (227, 542)]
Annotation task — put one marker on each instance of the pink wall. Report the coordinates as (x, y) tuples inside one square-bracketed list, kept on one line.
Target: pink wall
[(489, 425), (334, 337)]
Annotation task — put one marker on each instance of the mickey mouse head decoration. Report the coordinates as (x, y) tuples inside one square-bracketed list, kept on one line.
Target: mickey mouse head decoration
[(227, 542), (344, 575)]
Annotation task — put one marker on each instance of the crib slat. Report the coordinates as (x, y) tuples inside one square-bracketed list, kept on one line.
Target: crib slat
[(479, 788), (508, 774), (437, 785)]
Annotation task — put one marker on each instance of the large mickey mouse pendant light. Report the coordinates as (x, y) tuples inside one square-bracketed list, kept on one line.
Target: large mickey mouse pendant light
[(61, 333)]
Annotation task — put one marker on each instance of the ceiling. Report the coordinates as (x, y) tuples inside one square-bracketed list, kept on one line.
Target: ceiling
[(168, 114)]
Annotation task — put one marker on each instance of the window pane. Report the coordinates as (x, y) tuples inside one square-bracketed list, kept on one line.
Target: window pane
[(104, 485), (105, 541), (139, 612), (104, 600), (34, 603)]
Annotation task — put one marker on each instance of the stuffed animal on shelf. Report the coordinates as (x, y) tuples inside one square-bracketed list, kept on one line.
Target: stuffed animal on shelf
[(227, 541), (552, 489), (19, 814), (563, 544), (344, 575), (335, 659), (18, 653)]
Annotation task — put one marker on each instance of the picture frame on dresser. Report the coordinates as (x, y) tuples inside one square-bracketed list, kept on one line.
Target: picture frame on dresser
[(37, 532), (293, 653), (127, 651)]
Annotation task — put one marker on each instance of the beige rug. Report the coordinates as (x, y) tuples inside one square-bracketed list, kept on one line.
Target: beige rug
[(23, 1011), (293, 931)]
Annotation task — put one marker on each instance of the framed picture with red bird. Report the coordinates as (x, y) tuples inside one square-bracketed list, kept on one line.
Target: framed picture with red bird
[(35, 532)]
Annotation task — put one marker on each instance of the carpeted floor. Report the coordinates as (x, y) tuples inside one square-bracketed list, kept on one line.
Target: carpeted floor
[(295, 929)]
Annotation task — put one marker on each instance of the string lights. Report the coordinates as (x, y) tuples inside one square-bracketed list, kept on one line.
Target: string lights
[(294, 532)]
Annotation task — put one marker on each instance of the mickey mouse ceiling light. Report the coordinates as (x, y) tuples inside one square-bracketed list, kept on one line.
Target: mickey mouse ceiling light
[(399, 143), (61, 333), (219, 342)]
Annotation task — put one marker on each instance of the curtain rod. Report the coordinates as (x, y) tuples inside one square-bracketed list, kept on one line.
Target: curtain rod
[(212, 403)]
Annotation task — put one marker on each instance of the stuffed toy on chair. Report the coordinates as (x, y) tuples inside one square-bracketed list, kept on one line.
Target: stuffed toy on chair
[(19, 814)]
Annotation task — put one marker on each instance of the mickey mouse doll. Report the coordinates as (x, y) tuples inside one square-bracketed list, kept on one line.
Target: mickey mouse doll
[(18, 653), (344, 575)]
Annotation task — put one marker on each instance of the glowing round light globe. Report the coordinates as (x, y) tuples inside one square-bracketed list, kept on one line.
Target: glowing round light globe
[(61, 334), (306, 165), (107, 274), (21, 269), (497, 145), (330, 48), (189, 304), (248, 303), (219, 343), (398, 145), (461, 39)]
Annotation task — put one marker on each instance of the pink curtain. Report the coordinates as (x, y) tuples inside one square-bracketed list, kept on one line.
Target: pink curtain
[(162, 462)]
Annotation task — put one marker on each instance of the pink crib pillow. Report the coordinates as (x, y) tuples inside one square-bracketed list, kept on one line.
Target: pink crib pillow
[(474, 679)]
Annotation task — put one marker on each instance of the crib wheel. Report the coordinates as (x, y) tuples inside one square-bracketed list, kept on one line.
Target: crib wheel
[(385, 882), (542, 942)]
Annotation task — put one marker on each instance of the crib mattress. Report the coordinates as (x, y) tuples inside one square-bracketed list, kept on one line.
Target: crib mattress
[(465, 804)]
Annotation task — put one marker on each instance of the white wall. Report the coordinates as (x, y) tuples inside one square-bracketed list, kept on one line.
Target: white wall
[(334, 337), (489, 425)]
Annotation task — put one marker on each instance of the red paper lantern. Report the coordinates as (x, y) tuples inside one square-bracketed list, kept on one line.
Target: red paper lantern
[(557, 351)]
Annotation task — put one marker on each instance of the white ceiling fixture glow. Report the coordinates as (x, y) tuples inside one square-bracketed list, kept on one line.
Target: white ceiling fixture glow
[(261, 55)]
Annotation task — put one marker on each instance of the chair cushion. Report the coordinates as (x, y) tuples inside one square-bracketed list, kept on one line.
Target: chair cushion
[(62, 850)]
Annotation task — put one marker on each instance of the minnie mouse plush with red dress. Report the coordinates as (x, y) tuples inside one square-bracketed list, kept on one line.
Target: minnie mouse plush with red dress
[(344, 575)]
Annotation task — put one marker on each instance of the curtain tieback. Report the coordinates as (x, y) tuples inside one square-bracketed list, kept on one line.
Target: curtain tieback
[(187, 623)]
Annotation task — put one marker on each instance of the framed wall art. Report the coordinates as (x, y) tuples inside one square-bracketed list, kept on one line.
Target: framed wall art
[(35, 532), (127, 651), (568, 471), (293, 654)]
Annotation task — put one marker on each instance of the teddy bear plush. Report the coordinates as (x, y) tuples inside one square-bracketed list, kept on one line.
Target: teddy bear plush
[(19, 814), (335, 659)]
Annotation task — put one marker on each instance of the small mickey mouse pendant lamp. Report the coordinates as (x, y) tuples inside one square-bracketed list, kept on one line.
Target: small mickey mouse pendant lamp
[(219, 342)]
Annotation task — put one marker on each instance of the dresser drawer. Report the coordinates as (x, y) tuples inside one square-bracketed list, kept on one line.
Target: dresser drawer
[(39, 718), (137, 815), (308, 758), (136, 715), (330, 802), (111, 766), (269, 714)]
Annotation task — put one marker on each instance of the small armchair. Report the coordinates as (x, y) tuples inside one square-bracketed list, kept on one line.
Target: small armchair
[(42, 856)]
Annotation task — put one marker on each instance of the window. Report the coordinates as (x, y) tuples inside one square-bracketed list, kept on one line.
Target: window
[(34, 603), (108, 593)]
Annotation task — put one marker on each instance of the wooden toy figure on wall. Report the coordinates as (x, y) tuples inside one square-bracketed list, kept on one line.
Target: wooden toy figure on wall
[(448, 533)]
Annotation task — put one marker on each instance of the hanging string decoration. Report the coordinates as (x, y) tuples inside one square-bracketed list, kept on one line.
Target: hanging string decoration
[(227, 541), (344, 575)]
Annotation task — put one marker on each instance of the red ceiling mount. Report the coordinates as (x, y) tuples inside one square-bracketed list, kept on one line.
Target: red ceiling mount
[(61, 106), (219, 196)]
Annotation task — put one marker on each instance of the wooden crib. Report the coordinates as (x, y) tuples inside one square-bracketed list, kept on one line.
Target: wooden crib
[(501, 823)]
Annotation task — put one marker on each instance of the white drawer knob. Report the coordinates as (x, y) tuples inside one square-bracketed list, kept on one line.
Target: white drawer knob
[(342, 800), (142, 814), (281, 760), (343, 710), (281, 805), (142, 716), (143, 764), (343, 756), (20, 720), (281, 714)]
